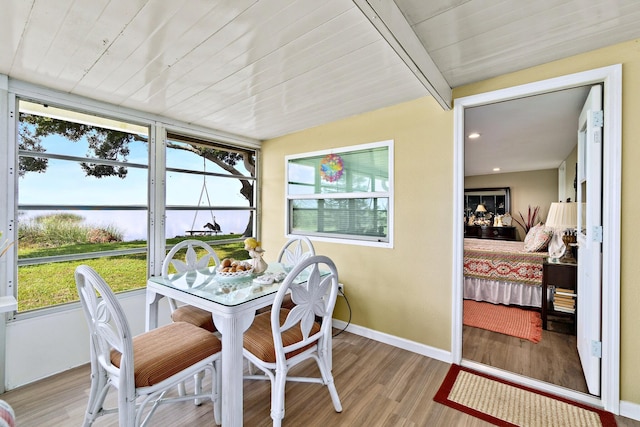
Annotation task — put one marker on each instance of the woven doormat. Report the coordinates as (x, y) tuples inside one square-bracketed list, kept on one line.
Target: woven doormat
[(514, 321), (503, 403)]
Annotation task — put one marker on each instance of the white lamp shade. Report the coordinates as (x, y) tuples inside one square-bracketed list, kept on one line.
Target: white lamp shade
[(563, 215), (481, 208)]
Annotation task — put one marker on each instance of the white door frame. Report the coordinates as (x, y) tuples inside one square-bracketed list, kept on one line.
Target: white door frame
[(611, 77)]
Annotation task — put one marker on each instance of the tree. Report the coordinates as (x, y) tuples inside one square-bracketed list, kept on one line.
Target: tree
[(114, 145)]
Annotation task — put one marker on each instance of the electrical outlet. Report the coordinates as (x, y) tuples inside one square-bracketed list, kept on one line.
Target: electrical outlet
[(341, 288)]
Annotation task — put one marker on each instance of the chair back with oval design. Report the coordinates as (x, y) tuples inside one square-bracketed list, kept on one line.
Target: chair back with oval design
[(295, 250), (191, 261), (297, 334)]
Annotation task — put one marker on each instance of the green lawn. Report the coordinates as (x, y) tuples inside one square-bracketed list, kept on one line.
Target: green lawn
[(50, 284)]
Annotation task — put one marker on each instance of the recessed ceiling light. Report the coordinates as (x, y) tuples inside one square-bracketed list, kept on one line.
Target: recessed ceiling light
[(496, 169), (474, 135)]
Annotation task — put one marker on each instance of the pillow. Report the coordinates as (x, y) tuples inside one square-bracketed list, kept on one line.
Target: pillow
[(537, 239)]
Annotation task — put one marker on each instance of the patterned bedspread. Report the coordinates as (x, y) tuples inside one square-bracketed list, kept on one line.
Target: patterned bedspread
[(502, 260)]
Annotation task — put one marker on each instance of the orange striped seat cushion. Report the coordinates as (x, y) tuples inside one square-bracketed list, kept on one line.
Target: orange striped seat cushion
[(287, 302), (165, 351), (194, 315), (258, 339)]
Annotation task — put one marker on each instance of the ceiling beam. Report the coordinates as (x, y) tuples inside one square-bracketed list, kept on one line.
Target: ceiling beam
[(394, 28)]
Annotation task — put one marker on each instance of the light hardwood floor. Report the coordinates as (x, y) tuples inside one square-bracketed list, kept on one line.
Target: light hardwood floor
[(554, 359), (379, 385)]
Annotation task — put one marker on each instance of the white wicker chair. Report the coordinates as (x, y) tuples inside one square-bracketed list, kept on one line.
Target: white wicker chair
[(295, 250), (189, 313), (144, 367), (282, 338)]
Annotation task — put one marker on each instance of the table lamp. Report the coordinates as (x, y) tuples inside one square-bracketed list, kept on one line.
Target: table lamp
[(481, 213), (563, 219), (480, 209)]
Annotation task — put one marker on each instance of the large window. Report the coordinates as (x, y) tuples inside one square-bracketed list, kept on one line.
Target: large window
[(342, 195), (209, 188), (87, 193), (82, 198)]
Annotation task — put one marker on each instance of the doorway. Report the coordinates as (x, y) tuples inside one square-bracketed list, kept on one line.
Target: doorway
[(610, 77)]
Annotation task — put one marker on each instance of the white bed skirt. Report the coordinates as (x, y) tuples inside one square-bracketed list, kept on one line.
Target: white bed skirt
[(499, 292)]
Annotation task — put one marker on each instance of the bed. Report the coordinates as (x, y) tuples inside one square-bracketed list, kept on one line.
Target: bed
[(502, 272)]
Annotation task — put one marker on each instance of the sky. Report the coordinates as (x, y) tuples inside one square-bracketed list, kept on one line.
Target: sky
[(65, 183)]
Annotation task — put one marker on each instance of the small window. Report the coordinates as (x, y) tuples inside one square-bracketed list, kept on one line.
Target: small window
[(343, 195)]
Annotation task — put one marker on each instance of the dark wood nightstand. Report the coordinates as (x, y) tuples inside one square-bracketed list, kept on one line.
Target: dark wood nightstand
[(489, 232), (559, 291)]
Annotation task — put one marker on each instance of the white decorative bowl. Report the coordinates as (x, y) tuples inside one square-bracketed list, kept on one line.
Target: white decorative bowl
[(235, 275)]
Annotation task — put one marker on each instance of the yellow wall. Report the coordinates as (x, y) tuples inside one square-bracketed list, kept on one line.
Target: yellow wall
[(533, 188), (406, 291)]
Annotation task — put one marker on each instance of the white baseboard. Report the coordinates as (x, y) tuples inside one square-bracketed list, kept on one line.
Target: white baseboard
[(630, 410), (412, 346)]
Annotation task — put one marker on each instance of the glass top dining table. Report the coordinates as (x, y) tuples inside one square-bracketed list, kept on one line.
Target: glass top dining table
[(224, 290), (233, 303)]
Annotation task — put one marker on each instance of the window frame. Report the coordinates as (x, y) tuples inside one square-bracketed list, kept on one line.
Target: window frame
[(363, 240), (158, 126), (171, 135), (97, 119)]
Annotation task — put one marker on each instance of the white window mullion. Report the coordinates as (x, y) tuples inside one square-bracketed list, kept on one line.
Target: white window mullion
[(8, 193), (157, 163)]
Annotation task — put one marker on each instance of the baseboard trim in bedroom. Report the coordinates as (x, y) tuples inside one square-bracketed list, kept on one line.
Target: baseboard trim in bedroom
[(405, 344), (630, 410)]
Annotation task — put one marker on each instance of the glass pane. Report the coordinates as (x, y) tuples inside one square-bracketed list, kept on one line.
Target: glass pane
[(210, 179), (75, 209), (489, 203), (495, 200), (193, 223), (472, 204), (62, 134), (354, 171), (64, 182), (302, 176), (500, 205), (62, 232), (45, 285), (201, 156), (353, 217), (188, 189)]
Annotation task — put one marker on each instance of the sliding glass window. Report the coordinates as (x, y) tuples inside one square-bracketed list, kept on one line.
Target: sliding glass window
[(210, 193), (82, 199)]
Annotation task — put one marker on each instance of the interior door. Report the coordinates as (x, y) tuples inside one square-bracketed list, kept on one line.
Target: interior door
[(589, 238)]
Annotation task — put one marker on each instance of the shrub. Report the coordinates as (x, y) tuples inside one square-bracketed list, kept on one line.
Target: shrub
[(59, 229), (103, 235)]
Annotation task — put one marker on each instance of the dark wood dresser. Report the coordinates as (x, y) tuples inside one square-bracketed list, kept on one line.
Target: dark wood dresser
[(489, 232)]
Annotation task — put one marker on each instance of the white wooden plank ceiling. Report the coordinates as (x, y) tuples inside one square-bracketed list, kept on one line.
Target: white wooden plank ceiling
[(263, 69), (473, 40), (255, 68)]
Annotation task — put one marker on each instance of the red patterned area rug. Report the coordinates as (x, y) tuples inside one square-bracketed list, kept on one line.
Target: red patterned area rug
[(514, 321), (503, 403)]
